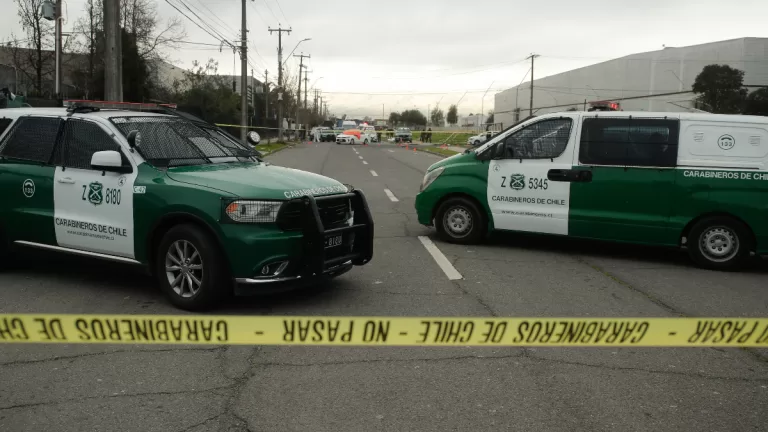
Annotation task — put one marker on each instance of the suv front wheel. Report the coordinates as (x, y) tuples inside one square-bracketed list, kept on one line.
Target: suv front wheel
[(190, 268)]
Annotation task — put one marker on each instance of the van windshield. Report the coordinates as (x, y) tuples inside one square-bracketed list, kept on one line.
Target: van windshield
[(167, 141)]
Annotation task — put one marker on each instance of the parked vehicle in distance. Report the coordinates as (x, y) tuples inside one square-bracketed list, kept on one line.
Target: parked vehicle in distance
[(328, 135), (317, 131), (697, 181), (478, 139), (403, 135), (349, 136), (368, 134)]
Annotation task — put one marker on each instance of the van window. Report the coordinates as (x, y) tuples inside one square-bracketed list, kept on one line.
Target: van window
[(629, 142), (32, 139), (546, 139)]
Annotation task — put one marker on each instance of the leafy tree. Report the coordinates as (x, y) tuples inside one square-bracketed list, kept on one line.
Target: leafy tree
[(207, 95), (721, 89), (452, 116), (394, 118), (490, 117), (413, 118), (437, 117), (757, 102), (34, 57)]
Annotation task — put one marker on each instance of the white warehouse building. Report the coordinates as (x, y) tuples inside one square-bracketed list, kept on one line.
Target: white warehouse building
[(651, 81)]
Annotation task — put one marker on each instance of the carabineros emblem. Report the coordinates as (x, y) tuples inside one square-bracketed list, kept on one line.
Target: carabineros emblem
[(95, 193)]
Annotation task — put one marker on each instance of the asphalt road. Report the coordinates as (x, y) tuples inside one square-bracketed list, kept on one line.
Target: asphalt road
[(142, 388)]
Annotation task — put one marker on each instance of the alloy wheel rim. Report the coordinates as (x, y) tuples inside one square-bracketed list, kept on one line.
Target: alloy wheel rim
[(184, 268)]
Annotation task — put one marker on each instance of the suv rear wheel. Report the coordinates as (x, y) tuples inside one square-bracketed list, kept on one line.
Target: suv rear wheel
[(459, 220), (719, 243), (190, 268)]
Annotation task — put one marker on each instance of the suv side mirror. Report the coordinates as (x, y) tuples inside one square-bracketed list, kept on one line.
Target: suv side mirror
[(134, 138), (253, 137), (109, 160)]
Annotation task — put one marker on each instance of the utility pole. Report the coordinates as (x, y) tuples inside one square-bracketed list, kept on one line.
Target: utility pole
[(243, 76), (298, 98), (266, 95), (57, 15), (280, 32), (314, 106), (113, 66), (306, 88), (532, 57)]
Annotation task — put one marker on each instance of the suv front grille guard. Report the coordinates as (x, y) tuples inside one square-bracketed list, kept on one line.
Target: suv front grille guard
[(357, 245)]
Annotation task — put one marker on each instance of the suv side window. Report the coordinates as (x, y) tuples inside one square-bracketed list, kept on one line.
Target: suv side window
[(80, 140), (4, 123), (629, 142), (546, 139), (31, 139)]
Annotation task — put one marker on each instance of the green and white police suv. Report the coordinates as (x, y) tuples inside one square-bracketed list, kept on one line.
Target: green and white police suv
[(200, 210), (669, 179)]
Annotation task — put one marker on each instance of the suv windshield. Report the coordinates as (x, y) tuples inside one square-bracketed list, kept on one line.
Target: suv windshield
[(168, 141)]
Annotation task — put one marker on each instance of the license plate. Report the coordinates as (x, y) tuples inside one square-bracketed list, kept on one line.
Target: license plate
[(333, 241)]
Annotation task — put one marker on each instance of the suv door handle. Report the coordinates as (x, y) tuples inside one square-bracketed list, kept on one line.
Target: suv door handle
[(67, 180)]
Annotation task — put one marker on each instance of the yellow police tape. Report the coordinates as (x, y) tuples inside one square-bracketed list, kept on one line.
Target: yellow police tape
[(383, 331)]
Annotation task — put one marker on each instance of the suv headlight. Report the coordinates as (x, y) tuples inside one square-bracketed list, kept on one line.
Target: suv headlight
[(248, 211), (430, 177)]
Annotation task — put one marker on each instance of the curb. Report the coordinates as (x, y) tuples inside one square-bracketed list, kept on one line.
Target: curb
[(433, 153), (278, 150)]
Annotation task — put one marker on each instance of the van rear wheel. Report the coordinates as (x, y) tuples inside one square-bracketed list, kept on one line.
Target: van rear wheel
[(719, 243), (459, 220)]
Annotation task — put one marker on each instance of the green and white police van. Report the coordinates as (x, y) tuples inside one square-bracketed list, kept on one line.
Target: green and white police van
[(202, 212), (698, 181)]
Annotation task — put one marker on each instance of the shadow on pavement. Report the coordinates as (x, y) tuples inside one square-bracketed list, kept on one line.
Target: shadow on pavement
[(605, 249)]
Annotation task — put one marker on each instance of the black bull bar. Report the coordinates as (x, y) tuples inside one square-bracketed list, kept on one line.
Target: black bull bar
[(358, 237)]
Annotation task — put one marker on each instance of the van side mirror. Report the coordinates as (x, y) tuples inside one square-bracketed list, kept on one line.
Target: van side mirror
[(109, 160)]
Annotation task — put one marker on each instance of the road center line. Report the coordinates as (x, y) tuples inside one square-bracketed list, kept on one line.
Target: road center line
[(373, 173), (391, 196), (445, 265), (365, 163), (360, 157), (391, 151)]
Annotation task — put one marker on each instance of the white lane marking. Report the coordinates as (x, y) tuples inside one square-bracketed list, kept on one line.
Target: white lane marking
[(445, 265), (373, 173), (391, 196), (365, 163), (391, 151), (360, 157)]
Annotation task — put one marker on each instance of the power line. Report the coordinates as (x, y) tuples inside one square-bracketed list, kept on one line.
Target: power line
[(281, 11), (216, 17), (270, 11), (257, 13), (220, 39), (221, 36)]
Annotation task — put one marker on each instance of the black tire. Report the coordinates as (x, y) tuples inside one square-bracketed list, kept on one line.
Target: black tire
[(214, 276), (477, 142), (455, 212), (719, 243), (366, 141)]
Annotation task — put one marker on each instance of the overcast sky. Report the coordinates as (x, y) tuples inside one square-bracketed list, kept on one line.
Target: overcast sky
[(422, 52)]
